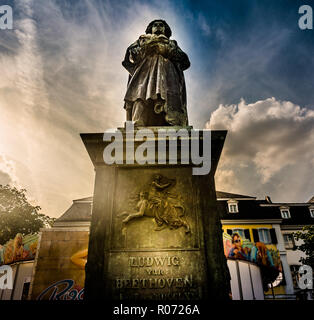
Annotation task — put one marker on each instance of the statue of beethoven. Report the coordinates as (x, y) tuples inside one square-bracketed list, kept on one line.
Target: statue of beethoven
[(156, 94)]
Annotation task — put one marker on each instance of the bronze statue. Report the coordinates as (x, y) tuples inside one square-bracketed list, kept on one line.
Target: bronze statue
[(156, 94)]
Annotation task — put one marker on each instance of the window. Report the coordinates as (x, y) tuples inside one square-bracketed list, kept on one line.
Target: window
[(312, 212), (25, 290), (264, 236), (240, 232), (285, 213), (233, 207), (289, 241)]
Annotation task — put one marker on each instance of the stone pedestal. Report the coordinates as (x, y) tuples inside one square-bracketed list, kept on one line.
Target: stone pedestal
[(174, 251)]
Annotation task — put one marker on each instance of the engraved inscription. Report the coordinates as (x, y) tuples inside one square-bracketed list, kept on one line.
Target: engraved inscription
[(154, 273), (153, 261), (155, 283)]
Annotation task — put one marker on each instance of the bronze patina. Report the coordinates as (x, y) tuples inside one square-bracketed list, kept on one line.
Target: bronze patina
[(156, 94), (162, 203), (155, 232)]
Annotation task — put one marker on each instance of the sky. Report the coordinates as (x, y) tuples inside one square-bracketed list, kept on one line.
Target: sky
[(252, 73)]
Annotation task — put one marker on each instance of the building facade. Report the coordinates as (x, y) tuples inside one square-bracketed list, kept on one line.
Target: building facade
[(258, 243), (270, 225)]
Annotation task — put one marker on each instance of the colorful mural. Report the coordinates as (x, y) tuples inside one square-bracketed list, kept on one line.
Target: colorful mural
[(21, 248), (67, 289), (60, 268), (268, 259), (237, 248)]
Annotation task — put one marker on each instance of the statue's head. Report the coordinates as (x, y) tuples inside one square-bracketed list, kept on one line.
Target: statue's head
[(157, 178), (159, 27)]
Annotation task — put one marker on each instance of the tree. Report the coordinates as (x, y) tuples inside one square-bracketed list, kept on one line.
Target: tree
[(17, 215), (307, 235)]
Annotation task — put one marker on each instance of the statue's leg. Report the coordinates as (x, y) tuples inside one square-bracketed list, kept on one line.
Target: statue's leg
[(132, 216), (157, 117), (139, 113), (143, 114), (128, 108), (129, 115)]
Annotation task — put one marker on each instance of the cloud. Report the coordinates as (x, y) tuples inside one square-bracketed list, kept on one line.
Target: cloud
[(269, 148), (7, 172), (203, 24), (62, 75)]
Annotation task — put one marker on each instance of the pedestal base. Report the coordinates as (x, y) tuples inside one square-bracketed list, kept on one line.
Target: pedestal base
[(155, 231)]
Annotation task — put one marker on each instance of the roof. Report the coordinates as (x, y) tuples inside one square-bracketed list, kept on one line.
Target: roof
[(227, 195), (249, 209), (311, 200), (88, 199), (261, 209), (300, 215), (80, 210)]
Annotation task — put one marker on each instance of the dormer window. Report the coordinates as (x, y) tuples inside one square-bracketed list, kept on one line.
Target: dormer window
[(285, 213), (233, 206), (312, 212)]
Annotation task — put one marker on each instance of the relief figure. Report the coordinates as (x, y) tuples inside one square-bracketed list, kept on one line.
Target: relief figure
[(159, 202)]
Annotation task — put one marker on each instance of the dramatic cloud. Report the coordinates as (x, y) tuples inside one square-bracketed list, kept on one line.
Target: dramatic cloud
[(61, 75), (269, 149), (7, 172)]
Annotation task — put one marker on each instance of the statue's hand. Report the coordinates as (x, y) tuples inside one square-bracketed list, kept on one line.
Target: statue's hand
[(162, 49), (158, 48)]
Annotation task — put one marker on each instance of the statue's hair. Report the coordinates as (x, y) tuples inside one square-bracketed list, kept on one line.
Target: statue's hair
[(168, 31)]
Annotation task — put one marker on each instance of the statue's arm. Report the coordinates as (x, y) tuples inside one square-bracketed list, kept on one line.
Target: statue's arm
[(161, 186), (177, 56), (133, 56)]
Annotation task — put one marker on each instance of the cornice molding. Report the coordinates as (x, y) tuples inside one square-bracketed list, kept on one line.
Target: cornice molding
[(255, 221)]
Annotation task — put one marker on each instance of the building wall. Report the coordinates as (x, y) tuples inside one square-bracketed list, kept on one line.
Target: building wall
[(62, 253), (59, 266), (22, 273), (293, 256)]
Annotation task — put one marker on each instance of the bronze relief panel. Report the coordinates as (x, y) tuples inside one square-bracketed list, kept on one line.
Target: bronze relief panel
[(154, 210)]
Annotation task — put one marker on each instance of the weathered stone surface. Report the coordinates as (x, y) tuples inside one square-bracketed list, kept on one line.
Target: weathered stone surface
[(154, 256)]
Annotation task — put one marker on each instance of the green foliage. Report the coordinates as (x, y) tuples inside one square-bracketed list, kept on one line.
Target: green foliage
[(17, 215), (307, 235)]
